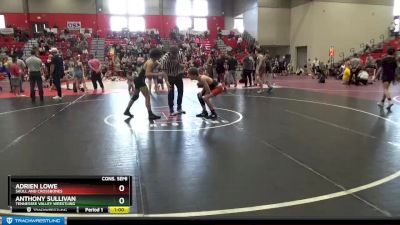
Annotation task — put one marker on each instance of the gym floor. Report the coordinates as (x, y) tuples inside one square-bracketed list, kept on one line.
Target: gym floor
[(319, 151)]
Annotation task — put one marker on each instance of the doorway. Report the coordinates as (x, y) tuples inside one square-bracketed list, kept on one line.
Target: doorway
[(39, 27), (301, 56)]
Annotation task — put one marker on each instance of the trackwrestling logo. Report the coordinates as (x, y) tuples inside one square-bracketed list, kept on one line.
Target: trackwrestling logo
[(33, 220)]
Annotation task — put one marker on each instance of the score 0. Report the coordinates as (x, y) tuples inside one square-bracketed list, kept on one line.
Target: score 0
[(121, 200), (121, 188)]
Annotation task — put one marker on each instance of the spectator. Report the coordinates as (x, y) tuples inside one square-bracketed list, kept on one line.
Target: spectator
[(211, 63), (35, 75), (346, 72), (95, 67), (57, 72), (232, 65), (392, 29), (79, 74), (22, 69), (389, 65), (248, 64), (15, 77), (356, 66), (6, 70), (315, 67), (220, 68)]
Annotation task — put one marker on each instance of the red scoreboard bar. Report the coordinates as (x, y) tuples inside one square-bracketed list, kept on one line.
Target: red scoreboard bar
[(68, 194)]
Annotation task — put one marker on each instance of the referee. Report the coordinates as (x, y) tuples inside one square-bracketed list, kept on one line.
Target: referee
[(172, 64), (35, 74)]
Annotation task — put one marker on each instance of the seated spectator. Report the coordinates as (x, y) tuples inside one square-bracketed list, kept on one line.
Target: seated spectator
[(356, 66), (367, 48), (346, 73)]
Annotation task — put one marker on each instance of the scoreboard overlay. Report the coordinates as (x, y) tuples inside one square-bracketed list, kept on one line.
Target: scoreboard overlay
[(68, 194)]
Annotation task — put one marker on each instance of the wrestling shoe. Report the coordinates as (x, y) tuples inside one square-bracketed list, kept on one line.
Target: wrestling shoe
[(178, 112), (389, 107), (212, 116), (153, 117), (127, 113), (202, 114), (269, 91)]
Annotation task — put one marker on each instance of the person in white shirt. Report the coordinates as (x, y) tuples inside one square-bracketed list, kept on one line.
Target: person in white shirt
[(35, 74), (315, 66), (22, 69)]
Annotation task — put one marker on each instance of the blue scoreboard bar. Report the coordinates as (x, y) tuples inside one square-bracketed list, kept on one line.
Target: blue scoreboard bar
[(29, 220)]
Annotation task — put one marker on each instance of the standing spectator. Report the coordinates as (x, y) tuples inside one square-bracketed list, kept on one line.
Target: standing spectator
[(68, 71), (378, 74), (253, 69), (6, 69), (221, 69), (15, 77), (392, 29), (248, 64), (232, 65), (35, 77), (22, 69), (95, 67), (172, 64), (219, 31), (370, 65), (48, 76), (211, 62), (370, 62), (57, 72), (389, 65), (262, 72), (315, 67), (79, 74)]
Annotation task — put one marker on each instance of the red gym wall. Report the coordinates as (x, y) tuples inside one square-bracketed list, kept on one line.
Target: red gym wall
[(101, 21)]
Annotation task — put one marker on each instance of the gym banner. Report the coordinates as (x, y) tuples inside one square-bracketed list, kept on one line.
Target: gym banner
[(74, 25), (6, 30), (14, 220)]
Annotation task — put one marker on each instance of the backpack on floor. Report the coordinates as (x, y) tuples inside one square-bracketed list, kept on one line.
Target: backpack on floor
[(363, 75), (321, 78)]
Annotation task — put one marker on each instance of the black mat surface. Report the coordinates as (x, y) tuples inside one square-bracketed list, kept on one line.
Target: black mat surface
[(292, 145)]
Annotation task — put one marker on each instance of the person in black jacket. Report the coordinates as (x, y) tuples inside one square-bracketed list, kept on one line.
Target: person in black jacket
[(389, 65), (57, 72)]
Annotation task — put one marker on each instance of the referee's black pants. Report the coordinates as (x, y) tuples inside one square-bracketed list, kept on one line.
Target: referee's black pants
[(178, 82), (96, 77)]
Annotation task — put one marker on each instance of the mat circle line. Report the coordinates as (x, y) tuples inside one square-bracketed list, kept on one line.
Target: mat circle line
[(259, 207)]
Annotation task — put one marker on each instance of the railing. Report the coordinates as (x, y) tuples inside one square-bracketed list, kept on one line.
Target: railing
[(247, 36), (372, 41), (341, 55), (382, 37)]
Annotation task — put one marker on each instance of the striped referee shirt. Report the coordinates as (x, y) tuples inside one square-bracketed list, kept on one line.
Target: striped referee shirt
[(172, 69)]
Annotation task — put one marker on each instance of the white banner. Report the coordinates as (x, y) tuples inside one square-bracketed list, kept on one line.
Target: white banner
[(228, 32), (74, 25), (7, 31), (52, 30), (82, 30), (155, 31)]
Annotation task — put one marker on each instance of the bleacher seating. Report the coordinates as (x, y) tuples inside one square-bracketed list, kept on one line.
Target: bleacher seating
[(9, 42), (379, 53)]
